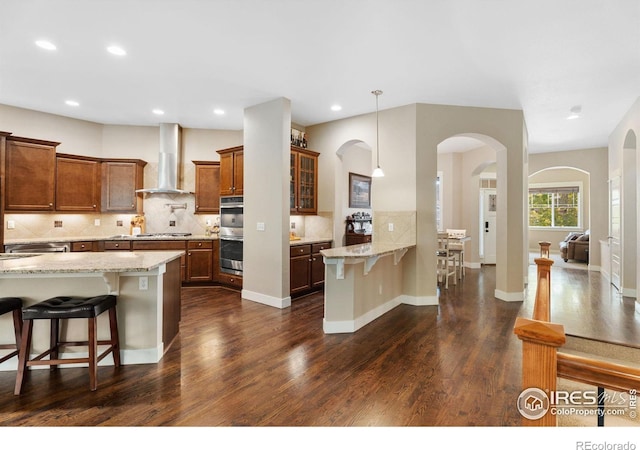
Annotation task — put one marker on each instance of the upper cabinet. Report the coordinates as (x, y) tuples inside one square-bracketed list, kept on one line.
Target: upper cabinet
[(207, 187), (231, 170), (303, 181), (30, 174), (120, 180), (77, 183)]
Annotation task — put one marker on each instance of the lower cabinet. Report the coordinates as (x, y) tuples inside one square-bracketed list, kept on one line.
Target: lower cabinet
[(306, 268), (199, 261), (165, 245), (230, 280), (85, 246)]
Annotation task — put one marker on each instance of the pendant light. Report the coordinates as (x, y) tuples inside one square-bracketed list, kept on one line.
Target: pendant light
[(378, 171)]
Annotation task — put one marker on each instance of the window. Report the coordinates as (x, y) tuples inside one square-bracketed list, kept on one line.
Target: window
[(554, 206)]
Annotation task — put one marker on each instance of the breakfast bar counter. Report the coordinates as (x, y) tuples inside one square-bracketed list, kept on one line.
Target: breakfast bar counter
[(147, 285), (362, 282)]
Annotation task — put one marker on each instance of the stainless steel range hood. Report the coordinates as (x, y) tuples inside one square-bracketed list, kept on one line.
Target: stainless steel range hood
[(168, 161)]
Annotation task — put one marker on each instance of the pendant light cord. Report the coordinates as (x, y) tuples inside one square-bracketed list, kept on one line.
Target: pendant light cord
[(377, 93)]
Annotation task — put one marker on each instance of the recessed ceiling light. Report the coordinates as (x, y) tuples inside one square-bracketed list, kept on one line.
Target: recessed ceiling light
[(336, 108), (72, 103), (574, 112), (218, 112), (158, 112), (116, 50), (46, 45)]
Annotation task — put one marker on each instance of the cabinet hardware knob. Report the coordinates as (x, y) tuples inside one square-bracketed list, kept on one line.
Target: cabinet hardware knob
[(50, 204), (132, 205), (189, 254), (94, 206), (117, 245)]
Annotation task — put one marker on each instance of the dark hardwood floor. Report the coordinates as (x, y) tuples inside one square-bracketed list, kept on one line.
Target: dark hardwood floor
[(238, 363)]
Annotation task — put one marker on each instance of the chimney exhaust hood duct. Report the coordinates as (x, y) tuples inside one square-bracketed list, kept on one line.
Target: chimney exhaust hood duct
[(168, 161)]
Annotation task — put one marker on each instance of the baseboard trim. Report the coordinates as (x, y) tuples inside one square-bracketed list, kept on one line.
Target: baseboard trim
[(266, 299), (413, 300), (509, 296), (349, 326)]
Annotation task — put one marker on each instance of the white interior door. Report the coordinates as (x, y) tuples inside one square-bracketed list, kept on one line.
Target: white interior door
[(488, 226), (614, 231)]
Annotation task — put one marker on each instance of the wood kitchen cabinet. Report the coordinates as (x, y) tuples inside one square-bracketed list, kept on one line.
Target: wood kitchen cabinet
[(231, 170), (30, 173), (85, 246), (306, 268), (303, 181), (199, 261), (78, 182), (165, 245), (207, 192), (120, 180), (317, 264)]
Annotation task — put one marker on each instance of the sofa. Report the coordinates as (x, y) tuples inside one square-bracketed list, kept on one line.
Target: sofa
[(575, 246)]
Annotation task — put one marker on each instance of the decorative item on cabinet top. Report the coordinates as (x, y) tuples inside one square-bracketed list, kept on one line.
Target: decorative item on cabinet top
[(298, 138)]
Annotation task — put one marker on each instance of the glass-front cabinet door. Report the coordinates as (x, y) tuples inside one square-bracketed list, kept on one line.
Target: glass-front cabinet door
[(303, 184)]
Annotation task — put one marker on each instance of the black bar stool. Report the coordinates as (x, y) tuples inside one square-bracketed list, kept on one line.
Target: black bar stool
[(7, 305), (57, 308)]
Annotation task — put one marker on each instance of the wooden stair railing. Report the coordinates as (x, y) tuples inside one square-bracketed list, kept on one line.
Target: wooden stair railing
[(542, 364), (540, 341)]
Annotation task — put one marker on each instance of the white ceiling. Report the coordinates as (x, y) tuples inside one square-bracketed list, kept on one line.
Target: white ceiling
[(188, 57)]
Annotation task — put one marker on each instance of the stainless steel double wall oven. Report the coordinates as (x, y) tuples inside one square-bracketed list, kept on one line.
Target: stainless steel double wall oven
[(231, 234)]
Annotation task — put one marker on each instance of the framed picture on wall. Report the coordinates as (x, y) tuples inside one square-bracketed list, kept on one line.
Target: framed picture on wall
[(359, 191)]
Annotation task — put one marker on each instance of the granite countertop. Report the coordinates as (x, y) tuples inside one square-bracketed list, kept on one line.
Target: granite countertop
[(100, 262), (310, 240), (158, 237), (364, 250), (121, 237)]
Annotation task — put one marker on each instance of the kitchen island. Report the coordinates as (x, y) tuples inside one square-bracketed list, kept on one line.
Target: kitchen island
[(147, 285), (362, 282)]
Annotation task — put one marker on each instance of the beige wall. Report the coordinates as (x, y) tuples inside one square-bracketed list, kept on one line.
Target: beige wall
[(267, 150)]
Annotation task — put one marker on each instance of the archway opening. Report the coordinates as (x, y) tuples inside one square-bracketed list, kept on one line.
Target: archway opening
[(468, 175)]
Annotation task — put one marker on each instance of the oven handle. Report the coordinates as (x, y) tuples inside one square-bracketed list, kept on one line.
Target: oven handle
[(230, 238), (228, 206)]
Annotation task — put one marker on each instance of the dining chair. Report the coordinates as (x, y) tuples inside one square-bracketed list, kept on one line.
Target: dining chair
[(456, 247), (446, 260)]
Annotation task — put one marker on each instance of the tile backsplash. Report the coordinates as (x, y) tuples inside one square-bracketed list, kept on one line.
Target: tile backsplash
[(158, 217), (402, 222)]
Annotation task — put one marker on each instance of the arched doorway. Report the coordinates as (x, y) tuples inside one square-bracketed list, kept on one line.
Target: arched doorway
[(465, 161), (559, 204), (354, 156)]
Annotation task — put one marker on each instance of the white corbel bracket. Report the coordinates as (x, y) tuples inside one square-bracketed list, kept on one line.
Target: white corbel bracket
[(398, 254), (112, 280), (369, 263)]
